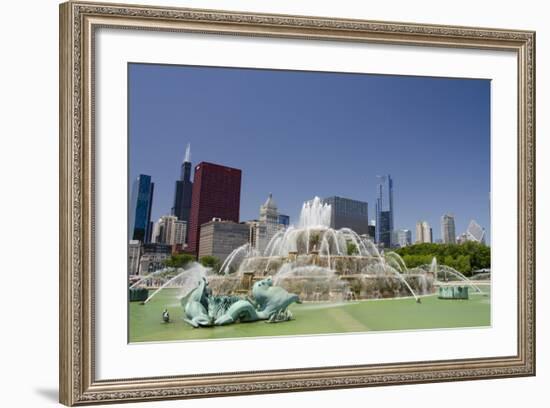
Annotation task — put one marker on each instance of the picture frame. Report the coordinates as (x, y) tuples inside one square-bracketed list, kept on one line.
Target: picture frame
[(79, 24)]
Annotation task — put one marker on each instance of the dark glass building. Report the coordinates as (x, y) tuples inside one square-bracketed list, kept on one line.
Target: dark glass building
[(372, 231), (284, 220), (348, 213), (184, 190), (384, 210), (141, 203), (216, 194)]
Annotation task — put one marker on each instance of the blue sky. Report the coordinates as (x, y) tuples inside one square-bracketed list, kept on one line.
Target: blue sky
[(301, 134)]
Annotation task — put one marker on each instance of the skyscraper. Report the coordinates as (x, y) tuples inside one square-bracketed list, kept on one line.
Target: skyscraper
[(183, 190), (448, 234), (348, 213), (169, 230), (402, 238), (141, 203), (384, 210), (268, 224), (254, 233), (216, 194), (423, 232), (475, 232)]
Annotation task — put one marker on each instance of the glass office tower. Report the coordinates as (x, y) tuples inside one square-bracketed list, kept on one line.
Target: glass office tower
[(141, 203), (384, 210)]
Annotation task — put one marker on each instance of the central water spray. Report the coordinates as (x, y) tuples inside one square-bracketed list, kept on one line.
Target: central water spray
[(315, 214)]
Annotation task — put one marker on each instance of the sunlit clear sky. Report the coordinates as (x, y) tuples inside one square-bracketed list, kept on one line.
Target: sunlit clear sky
[(301, 134)]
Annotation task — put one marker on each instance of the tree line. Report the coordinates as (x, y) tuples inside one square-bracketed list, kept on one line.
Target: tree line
[(466, 258), (181, 260)]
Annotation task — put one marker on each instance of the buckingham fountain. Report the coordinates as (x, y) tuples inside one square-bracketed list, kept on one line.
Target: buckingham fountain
[(309, 262), (320, 263)]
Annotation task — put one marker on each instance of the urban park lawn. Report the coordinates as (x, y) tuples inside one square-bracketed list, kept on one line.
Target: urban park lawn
[(315, 318)]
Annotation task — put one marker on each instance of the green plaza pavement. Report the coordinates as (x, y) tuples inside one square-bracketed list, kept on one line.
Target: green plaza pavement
[(315, 318)]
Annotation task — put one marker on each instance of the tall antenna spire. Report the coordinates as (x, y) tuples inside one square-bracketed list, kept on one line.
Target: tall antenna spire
[(187, 157)]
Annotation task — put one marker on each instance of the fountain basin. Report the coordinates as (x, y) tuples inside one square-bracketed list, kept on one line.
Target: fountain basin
[(138, 294), (453, 292)]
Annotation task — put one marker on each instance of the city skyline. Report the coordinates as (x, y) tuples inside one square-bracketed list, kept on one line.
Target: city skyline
[(421, 190)]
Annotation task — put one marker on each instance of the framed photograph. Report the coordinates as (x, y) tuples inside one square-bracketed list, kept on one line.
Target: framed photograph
[(256, 203)]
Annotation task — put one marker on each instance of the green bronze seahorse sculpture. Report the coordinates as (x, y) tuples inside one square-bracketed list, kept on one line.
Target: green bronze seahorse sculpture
[(269, 303), (273, 301), (196, 306)]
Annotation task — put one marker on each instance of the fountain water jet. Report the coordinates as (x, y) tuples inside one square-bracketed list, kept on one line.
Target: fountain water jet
[(149, 276), (245, 250), (436, 269), (396, 259), (190, 276), (315, 214)]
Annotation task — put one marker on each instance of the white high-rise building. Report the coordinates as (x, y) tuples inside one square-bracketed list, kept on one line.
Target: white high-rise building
[(448, 233), (169, 230), (423, 232), (180, 231), (267, 226), (134, 255), (402, 238), (253, 233)]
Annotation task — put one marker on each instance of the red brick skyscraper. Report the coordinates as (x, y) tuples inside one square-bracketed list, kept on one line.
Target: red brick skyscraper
[(216, 194)]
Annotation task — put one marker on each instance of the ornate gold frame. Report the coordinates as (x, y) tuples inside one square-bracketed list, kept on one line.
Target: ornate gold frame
[(78, 20)]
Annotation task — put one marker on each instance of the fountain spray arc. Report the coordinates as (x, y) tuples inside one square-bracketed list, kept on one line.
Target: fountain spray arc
[(185, 280)]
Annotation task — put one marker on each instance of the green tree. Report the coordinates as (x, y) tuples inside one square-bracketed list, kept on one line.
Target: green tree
[(314, 241), (179, 260), (351, 248), (463, 264), (209, 261), (412, 261)]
